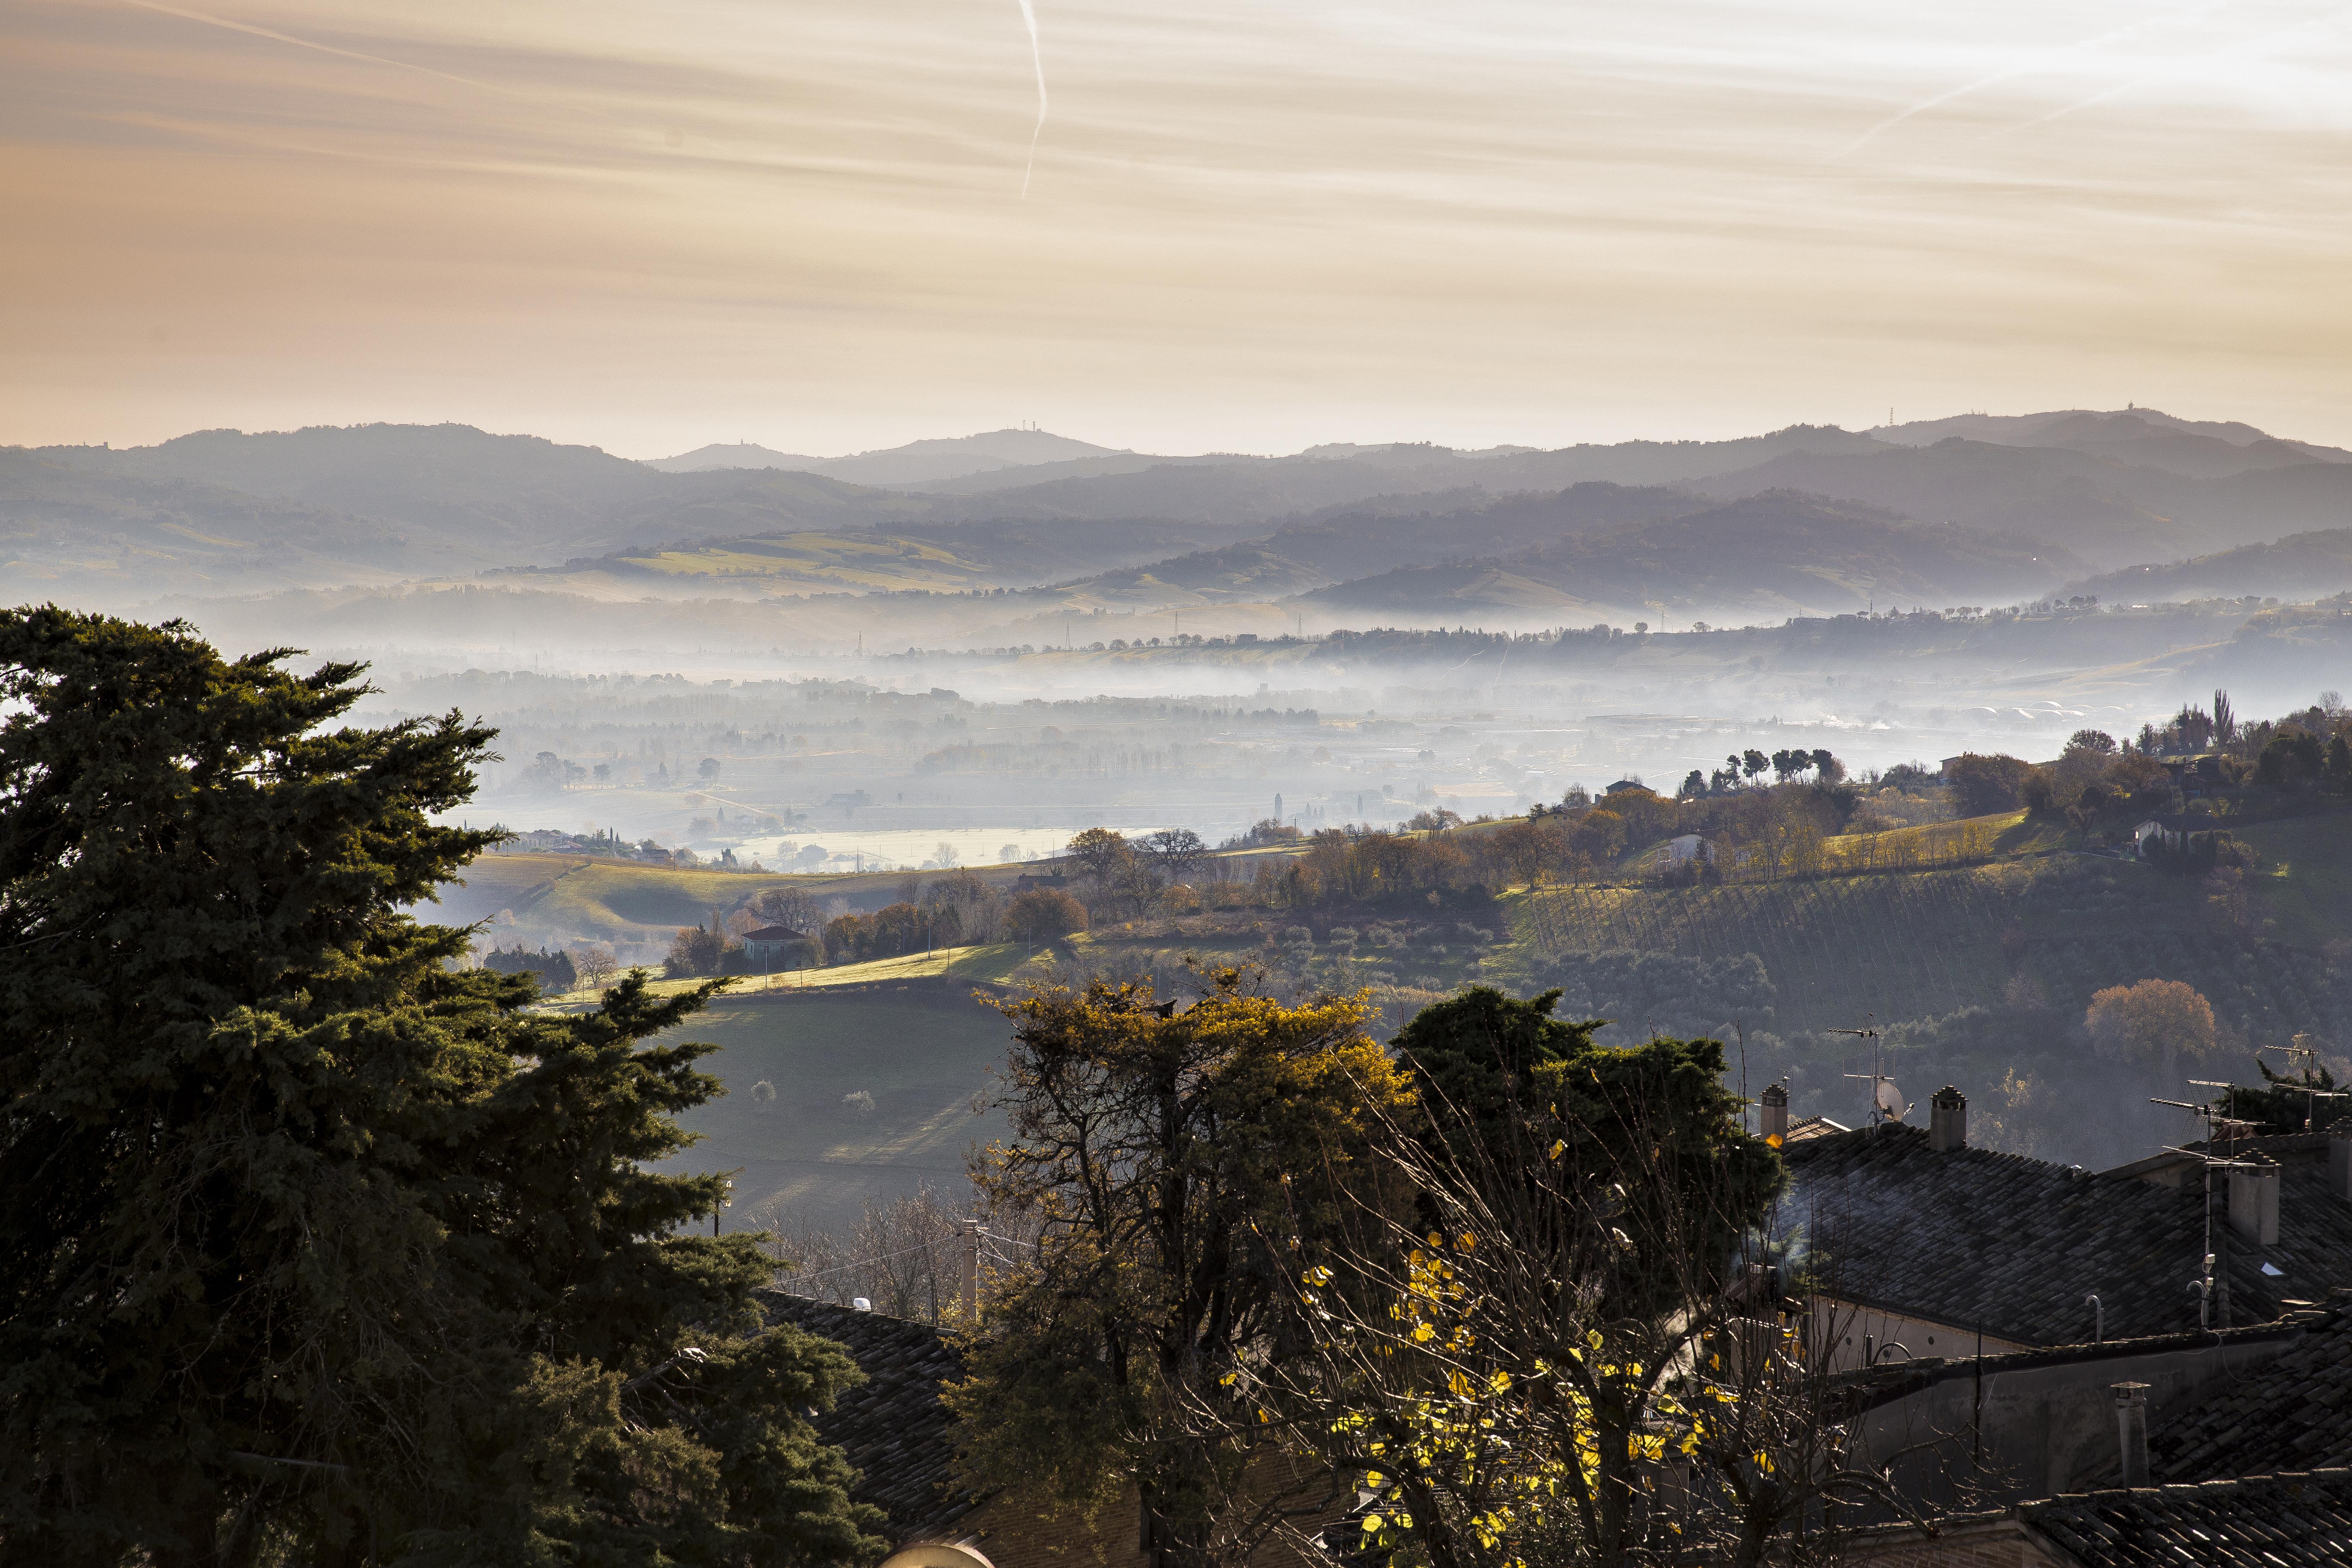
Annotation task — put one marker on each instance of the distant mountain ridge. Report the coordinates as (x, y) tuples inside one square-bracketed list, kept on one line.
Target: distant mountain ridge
[(372, 503), (1768, 555), (940, 458), (732, 455), (2301, 566), (2147, 435)]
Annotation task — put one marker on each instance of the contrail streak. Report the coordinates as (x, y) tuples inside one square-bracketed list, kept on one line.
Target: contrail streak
[(307, 43), (2032, 63), (2317, 26), (1036, 59)]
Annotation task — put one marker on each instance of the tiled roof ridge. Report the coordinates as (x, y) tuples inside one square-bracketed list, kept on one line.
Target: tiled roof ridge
[(2157, 1527), (855, 1314), (2185, 1490), (2294, 1409), (2273, 1144), (1902, 1139), (1897, 1379), (894, 1427)]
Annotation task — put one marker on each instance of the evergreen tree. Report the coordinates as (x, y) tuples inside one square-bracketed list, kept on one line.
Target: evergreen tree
[(1509, 1088), (313, 1247), (1179, 1166)]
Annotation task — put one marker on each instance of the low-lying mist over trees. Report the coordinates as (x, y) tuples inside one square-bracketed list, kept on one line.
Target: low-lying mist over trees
[(1249, 797)]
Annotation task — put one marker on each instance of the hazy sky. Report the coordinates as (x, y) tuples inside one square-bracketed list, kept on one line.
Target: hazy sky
[(1249, 226)]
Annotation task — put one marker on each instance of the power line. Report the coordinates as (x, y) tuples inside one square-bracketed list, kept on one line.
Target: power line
[(862, 1262)]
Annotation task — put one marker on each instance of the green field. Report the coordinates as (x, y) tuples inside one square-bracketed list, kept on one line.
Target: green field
[(861, 561), (2018, 944), (923, 1054), (577, 898), (996, 964), (2304, 877)]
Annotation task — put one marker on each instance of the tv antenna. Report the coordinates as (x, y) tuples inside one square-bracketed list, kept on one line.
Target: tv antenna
[(1887, 1101), (2210, 1288), (2219, 1125), (2302, 1057), (1742, 1030)]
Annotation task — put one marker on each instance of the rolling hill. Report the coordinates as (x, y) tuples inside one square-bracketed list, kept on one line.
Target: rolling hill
[(935, 557), (413, 500), (1764, 556), (917, 462), (733, 455), (924, 1054), (2298, 566), (75, 530), (2090, 505), (2197, 448), (1977, 975), (1234, 573), (1357, 542)]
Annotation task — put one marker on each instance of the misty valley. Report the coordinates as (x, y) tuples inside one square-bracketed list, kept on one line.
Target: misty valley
[(1040, 785), (1997, 762)]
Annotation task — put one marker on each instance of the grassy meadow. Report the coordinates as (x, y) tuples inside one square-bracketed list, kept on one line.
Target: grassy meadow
[(565, 898), (924, 1056), (1979, 957), (2305, 879)]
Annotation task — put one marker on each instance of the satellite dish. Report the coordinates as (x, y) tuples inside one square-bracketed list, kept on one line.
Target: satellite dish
[(1891, 1104)]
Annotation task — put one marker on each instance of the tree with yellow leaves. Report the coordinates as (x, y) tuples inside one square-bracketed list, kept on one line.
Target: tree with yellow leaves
[(1566, 1354)]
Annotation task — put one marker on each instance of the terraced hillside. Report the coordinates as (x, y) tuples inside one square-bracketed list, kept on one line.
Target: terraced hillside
[(1977, 975)]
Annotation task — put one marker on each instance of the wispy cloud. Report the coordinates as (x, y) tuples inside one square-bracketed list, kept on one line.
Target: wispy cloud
[(1272, 221), (2208, 65), (249, 28), (2038, 62)]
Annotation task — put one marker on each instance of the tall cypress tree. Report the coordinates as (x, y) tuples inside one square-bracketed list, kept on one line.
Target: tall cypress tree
[(312, 1246)]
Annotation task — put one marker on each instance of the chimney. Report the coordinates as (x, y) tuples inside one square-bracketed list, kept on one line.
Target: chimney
[(2339, 1161), (1776, 1114), (2131, 1430), (1947, 1121), (2254, 1201)]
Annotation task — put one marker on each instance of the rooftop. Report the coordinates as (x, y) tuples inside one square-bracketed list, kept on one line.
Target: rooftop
[(2263, 1521), (893, 1426), (2293, 1412), (1969, 1237), (2295, 1520)]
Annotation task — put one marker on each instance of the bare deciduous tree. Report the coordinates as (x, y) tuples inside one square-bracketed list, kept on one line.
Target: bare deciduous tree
[(595, 965)]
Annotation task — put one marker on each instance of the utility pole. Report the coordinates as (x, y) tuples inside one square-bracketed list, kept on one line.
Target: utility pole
[(971, 1274)]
